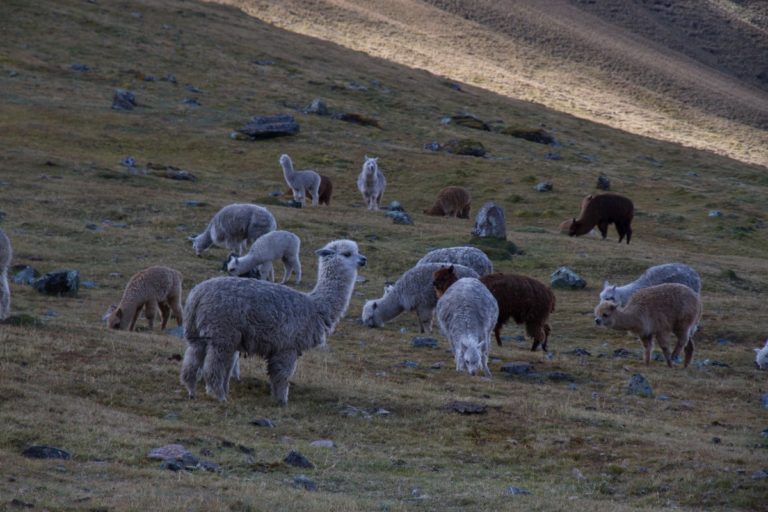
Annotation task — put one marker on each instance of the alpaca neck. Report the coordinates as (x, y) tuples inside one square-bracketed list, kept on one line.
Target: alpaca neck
[(288, 171), (389, 306), (332, 293), (626, 322), (248, 262)]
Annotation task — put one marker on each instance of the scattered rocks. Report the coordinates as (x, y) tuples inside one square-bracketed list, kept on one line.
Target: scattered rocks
[(263, 422), (539, 136), (544, 186), (355, 118), (603, 183), (191, 102), (566, 278), (463, 407), (123, 99), (490, 222), (709, 362), (317, 107), (622, 353), (267, 127), (302, 482), (46, 452), (352, 411), (398, 215), (517, 491), (170, 172), (59, 282), (761, 474), (433, 146), (323, 443), (639, 385), (424, 342), (297, 460), (467, 121), (81, 68), (466, 147)]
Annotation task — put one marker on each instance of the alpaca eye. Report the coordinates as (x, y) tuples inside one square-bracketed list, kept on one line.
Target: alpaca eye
[(347, 254)]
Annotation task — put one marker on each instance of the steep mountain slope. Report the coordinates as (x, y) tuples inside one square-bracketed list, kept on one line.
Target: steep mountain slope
[(690, 72)]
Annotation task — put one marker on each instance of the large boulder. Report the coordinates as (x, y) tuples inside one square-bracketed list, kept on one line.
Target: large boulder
[(564, 277), (490, 222), (60, 282), (267, 127), (467, 147)]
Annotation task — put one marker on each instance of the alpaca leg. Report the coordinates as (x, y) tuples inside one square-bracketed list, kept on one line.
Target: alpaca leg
[(547, 332), (5, 296), (218, 365), (176, 310), (484, 352), (628, 231), (663, 343), (538, 334), (234, 372), (648, 346), (688, 352), (150, 311), (425, 319), (165, 313), (603, 227), (316, 195), (296, 268), (497, 333), (135, 317), (280, 369), (190, 368)]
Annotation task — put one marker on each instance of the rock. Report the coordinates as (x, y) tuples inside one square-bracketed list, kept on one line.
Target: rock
[(708, 362), (540, 136), (424, 342), (263, 422), (764, 400), (517, 368), (128, 161), (169, 452), (210, 466), (558, 376), (400, 218), (453, 85), (264, 62), (355, 118), (578, 351), (305, 483), (123, 99), (58, 283), (193, 203), (544, 186), (468, 121), (639, 385), (603, 183), (490, 222), (566, 278), (433, 146), (170, 79), (622, 353), (46, 452), (298, 460), (170, 172), (81, 68), (467, 147), (94, 227), (517, 491), (267, 127), (317, 107), (192, 102), (715, 213), (553, 155), (395, 206), (323, 443), (172, 465), (17, 503), (463, 407), (24, 274), (410, 364)]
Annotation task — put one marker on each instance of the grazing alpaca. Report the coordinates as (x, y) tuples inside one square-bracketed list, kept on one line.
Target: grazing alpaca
[(235, 227), (524, 299), (655, 312), (451, 202), (6, 254), (282, 245), (602, 210), (666, 273), (371, 183), (301, 182), (151, 288), (225, 315), (565, 226), (466, 313), (471, 257)]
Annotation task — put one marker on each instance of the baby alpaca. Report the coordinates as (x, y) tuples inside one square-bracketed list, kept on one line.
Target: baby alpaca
[(301, 182), (371, 183), (151, 288), (282, 245), (761, 358), (451, 202), (655, 312), (6, 254), (226, 315), (466, 313)]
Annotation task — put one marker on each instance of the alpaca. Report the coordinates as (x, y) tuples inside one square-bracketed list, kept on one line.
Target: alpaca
[(301, 182), (225, 315), (371, 183), (326, 190), (654, 312), (451, 202), (466, 313), (235, 227), (761, 357), (151, 288), (282, 245), (602, 210), (524, 299), (6, 255), (666, 273), (412, 292), (565, 226), (471, 257)]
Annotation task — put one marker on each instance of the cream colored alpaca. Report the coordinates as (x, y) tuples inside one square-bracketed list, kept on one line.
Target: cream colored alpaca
[(151, 288)]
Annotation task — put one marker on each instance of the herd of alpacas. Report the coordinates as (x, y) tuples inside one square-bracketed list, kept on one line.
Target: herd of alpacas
[(226, 316)]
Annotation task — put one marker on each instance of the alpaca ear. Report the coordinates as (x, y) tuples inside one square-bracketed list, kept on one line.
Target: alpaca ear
[(324, 252), (574, 220), (606, 284)]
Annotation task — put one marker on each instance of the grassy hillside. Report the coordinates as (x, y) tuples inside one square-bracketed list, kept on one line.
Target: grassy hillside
[(109, 397)]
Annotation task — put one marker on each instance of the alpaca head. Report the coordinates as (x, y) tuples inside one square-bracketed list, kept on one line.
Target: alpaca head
[(470, 359), (371, 316), (609, 292), (761, 358), (114, 317), (604, 313), (199, 244), (573, 228), (371, 164), (342, 255), (285, 161), (233, 265), (442, 279)]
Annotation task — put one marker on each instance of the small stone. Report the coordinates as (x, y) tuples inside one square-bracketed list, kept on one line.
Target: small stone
[(463, 407), (305, 483), (424, 342), (578, 351), (433, 146), (517, 491), (553, 155), (622, 353), (168, 452), (265, 127), (123, 100), (128, 161), (761, 474), (395, 206), (517, 368), (177, 332), (17, 503), (45, 452), (764, 400), (544, 186), (209, 466), (263, 422), (317, 107), (438, 365), (663, 398), (466, 147), (89, 284), (400, 218), (82, 68), (298, 460), (323, 443), (560, 377), (566, 278), (192, 102), (170, 79), (172, 465), (25, 274), (716, 440), (639, 385), (410, 364), (603, 183), (195, 204), (192, 88), (715, 213)]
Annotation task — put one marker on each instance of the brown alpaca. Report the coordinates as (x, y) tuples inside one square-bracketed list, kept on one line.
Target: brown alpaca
[(602, 210), (565, 226), (325, 191), (451, 201), (655, 312), (521, 298), (151, 288)]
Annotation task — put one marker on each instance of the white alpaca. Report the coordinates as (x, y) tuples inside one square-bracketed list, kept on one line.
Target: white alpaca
[(761, 358), (471, 257), (282, 245), (235, 227), (301, 182), (371, 183), (666, 273), (6, 254), (225, 315)]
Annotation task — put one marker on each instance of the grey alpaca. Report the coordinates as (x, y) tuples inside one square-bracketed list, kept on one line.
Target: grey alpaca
[(471, 257), (235, 227), (301, 182), (225, 315), (666, 273)]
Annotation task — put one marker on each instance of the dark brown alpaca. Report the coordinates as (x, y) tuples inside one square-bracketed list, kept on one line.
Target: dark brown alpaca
[(521, 298), (451, 201), (602, 210), (325, 191)]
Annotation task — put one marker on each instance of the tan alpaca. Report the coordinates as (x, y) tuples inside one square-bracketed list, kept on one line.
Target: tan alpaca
[(151, 288), (451, 202)]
